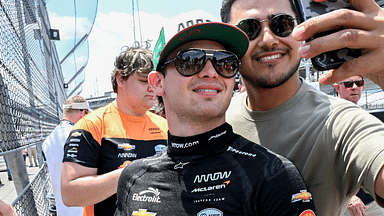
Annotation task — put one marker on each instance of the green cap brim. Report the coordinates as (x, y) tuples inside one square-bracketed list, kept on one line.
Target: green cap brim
[(230, 37)]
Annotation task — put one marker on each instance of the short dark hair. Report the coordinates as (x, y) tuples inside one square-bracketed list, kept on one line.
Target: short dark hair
[(225, 11), (132, 60)]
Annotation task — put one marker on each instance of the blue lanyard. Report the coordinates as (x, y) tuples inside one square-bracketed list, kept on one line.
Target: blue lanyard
[(67, 121)]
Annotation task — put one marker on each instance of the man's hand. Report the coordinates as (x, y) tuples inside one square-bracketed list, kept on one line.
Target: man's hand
[(356, 207), (362, 29), (7, 209)]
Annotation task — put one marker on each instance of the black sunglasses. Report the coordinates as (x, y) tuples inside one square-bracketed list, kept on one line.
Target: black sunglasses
[(349, 84), (191, 61), (281, 25)]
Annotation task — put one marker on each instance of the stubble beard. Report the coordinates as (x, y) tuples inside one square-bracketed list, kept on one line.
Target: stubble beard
[(269, 83)]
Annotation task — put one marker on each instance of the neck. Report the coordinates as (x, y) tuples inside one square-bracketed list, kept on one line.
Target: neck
[(262, 99), (185, 127), (124, 106), (67, 118)]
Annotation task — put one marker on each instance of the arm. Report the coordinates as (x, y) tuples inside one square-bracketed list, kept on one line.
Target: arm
[(81, 186), (379, 186), (356, 207), (363, 29)]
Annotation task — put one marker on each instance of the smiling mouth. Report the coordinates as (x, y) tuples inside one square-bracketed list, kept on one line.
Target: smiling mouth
[(207, 90), (271, 57)]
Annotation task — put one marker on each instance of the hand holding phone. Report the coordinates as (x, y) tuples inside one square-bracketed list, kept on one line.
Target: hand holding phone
[(364, 30), (307, 9)]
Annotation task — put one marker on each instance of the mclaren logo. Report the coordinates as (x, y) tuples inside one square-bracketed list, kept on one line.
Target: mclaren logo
[(72, 150), (211, 188), (126, 146), (212, 177), (143, 212), (302, 196)]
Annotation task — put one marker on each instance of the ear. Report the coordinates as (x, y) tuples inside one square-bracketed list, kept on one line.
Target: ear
[(155, 80), (119, 79), (337, 87)]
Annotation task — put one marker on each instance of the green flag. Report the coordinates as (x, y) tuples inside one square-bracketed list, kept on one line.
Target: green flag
[(160, 44)]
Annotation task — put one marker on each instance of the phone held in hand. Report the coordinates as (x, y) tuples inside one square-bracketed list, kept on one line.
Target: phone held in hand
[(306, 9)]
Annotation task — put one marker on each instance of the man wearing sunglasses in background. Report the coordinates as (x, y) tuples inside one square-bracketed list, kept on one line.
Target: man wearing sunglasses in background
[(337, 146), (350, 89), (207, 169)]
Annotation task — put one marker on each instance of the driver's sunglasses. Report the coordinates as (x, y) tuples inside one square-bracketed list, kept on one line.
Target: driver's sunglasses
[(191, 61), (349, 84), (281, 25)]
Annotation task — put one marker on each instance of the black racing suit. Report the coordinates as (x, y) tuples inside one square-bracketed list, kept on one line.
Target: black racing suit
[(212, 174)]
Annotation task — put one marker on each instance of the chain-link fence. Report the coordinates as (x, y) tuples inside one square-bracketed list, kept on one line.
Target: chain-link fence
[(31, 95), (31, 81), (34, 200)]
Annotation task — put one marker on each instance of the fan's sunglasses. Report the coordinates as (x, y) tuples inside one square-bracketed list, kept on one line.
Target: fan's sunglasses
[(281, 25), (349, 84), (191, 61)]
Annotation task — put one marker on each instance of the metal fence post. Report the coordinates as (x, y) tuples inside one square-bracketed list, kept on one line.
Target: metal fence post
[(18, 170)]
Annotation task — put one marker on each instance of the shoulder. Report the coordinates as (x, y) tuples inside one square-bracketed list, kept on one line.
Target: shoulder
[(139, 167), (265, 159)]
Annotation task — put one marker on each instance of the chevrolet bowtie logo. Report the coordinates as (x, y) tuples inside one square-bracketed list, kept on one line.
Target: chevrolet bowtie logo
[(143, 212), (180, 165), (302, 196)]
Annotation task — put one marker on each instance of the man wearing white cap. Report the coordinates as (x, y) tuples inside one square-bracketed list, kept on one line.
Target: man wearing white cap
[(75, 107)]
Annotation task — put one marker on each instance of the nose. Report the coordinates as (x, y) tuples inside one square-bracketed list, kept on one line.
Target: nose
[(149, 88), (266, 37), (208, 71)]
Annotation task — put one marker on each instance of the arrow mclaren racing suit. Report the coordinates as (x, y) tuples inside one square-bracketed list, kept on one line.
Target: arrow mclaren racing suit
[(215, 173)]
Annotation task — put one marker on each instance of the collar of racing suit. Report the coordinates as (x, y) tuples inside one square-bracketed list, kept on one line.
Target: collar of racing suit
[(208, 143)]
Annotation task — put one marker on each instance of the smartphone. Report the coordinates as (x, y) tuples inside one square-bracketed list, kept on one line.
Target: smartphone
[(306, 9)]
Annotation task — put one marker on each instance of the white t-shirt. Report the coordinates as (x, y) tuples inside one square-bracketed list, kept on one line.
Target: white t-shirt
[(53, 148)]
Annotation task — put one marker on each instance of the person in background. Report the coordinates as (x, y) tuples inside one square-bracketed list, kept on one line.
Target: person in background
[(75, 107), (109, 138), (8, 171), (351, 88), (207, 169), (32, 152), (338, 147), (240, 86), (362, 203)]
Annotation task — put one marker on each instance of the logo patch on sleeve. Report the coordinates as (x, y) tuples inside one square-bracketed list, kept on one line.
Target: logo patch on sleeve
[(308, 213), (303, 196)]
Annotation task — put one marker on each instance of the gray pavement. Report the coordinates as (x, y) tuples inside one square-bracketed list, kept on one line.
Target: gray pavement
[(7, 188)]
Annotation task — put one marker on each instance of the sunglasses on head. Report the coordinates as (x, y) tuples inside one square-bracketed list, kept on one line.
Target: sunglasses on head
[(191, 61), (349, 84), (281, 25)]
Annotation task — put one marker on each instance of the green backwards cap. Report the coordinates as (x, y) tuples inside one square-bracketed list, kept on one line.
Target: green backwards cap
[(229, 36)]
